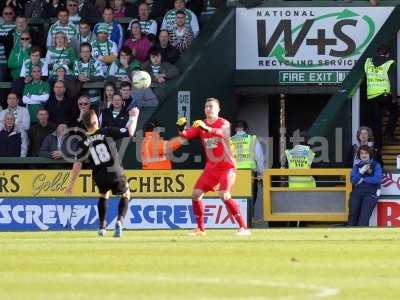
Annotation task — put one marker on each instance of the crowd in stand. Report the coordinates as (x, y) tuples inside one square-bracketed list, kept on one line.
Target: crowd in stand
[(85, 43)]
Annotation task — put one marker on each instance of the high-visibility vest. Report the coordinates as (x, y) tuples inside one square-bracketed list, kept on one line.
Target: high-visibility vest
[(243, 149), (378, 82), (152, 153), (300, 157)]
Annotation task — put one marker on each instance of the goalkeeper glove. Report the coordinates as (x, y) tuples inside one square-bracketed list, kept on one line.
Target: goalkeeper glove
[(202, 125), (181, 123)]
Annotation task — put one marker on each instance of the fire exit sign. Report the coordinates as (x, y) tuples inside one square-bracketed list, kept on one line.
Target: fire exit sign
[(315, 77)]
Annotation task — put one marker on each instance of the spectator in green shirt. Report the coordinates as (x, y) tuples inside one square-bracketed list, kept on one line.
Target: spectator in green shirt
[(60, 54), (34, 60), (89, 69), (19, 54), (36, 93)]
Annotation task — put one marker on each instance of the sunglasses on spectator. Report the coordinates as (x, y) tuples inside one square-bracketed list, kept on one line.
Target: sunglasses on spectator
[(25, 39), (72, 5), (83, 103)]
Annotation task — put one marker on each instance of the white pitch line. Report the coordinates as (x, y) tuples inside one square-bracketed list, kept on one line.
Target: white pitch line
[(317, 291)]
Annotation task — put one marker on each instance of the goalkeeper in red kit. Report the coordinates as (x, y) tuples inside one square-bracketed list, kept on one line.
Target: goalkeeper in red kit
[(219, 172)]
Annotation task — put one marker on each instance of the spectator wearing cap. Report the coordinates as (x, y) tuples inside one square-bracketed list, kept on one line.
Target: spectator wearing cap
[(36, 93), (115, 115), (159, 71), (51, 146), (38, 132), (21, 114), (63, 24), (59, 106), (103, 49), (138, 43), (114, 29), (180, 36), (122, 68), (13, 142), (190, 21), (168, 53), (148, 26)]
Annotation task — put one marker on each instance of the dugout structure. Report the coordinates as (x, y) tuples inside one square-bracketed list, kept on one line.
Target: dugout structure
[(327, 202)]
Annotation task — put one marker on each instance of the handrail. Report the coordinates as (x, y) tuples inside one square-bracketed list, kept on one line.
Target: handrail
[(271, 191)]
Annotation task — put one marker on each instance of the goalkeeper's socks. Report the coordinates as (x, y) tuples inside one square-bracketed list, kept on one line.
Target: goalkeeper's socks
[(198, 211), (233, 209)]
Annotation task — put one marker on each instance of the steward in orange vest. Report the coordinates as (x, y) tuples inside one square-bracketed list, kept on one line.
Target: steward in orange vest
[(154, 150)]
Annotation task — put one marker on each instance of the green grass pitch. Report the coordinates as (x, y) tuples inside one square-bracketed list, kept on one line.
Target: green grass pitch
[(285, 264)]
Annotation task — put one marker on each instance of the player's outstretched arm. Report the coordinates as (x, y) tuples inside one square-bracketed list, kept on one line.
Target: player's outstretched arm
[(76, 168), (133, 118), (188, 133)]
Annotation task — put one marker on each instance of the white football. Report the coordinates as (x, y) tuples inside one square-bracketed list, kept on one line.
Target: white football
[(141, 80)]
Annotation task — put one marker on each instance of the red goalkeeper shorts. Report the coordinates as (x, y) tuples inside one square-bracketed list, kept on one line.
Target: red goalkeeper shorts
[(213, 179)]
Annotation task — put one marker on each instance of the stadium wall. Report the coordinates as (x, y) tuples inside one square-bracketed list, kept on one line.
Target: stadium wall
[(35, 200)]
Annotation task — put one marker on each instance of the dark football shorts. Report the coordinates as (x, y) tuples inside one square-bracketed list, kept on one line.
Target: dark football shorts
[(117, 187)]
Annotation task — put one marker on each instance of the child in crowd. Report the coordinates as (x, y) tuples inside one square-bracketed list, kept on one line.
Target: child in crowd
[(109, 91), (119, 8), (122, 68), (366, 178)]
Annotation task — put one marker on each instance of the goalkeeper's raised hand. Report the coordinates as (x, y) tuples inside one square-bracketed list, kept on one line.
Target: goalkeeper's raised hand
[(181, 123), (202, 125)]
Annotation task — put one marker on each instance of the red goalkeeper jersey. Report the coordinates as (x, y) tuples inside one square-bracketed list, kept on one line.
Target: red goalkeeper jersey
[(216, 143)]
